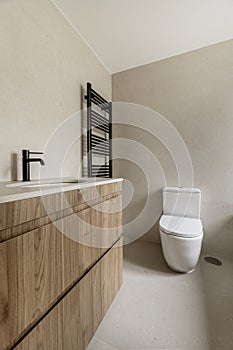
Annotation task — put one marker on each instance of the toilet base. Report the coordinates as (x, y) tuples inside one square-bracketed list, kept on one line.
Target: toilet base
[(178, 271), (181, 254)]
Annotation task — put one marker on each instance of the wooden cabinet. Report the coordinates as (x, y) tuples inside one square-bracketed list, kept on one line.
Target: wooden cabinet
[(58, 279), (71, 324)]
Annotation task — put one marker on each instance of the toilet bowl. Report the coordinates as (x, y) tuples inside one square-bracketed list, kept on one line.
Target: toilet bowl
[(181, 235)]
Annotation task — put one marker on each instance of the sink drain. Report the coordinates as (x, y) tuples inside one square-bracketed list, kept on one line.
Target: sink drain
[(212, 260)]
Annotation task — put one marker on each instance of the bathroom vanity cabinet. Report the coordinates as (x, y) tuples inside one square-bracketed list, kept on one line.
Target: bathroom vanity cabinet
[(60, 267)]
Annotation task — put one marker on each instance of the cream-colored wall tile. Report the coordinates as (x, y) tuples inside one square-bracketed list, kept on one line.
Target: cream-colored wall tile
[(194, 92), (44, 65)]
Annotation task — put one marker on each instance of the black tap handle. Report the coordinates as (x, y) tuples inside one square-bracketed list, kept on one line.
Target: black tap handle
[(36, 152)]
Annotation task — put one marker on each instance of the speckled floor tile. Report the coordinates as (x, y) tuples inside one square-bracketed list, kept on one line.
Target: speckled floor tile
[(157, 308)]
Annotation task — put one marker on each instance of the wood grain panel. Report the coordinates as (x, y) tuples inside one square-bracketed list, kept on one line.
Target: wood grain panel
[(40, 266), (72, 323), (107, 221), (20, 216), (4, 303), (40, 337)]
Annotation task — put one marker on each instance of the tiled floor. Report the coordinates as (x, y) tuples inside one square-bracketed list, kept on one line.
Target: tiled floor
[(160, 309)]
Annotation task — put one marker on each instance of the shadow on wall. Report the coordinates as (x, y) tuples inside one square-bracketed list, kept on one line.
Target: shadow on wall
[(221, 232), (14, 167), (144, 183), (138, 217), (142, 201), (153, 234), (148, 256)]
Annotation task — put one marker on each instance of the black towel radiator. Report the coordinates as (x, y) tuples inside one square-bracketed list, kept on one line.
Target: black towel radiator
[(99, 134)]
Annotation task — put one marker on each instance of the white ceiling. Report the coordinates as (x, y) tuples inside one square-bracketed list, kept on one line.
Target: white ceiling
[(129, 33)]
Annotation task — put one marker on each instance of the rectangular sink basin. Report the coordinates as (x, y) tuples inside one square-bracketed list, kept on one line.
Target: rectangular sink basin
[(45, 184)]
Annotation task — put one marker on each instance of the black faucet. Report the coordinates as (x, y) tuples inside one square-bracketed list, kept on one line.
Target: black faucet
[(26, 160)]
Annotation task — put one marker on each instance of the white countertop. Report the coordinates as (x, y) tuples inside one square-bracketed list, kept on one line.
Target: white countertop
[(16, 190)]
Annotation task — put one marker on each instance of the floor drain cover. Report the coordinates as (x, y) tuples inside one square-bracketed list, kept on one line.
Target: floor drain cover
[(213, 260)]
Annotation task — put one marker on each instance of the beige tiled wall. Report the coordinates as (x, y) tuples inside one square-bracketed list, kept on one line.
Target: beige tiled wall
[(194, 91), (44, 65)]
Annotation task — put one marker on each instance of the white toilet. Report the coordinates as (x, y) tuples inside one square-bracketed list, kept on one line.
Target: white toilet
[(180, 227)]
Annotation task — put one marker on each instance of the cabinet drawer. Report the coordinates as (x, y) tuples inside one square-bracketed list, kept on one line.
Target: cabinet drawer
[(72, 323), (38, 267), (25, 210)]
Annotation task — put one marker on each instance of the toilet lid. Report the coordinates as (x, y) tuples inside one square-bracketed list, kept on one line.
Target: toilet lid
[(179, 226)]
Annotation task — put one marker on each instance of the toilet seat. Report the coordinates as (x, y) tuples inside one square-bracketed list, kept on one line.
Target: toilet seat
[(181, 226)]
